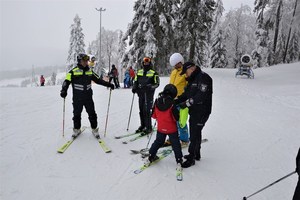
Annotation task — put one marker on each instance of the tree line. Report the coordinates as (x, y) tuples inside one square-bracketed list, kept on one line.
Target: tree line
[(201, 31)]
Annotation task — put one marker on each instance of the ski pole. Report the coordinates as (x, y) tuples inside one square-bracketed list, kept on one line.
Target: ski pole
[(245, 198), (64, 113), (146, 149), (107, 112), (130, 111)]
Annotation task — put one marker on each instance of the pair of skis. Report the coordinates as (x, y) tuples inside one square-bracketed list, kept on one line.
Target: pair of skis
[(137, 136), (162, 155), (145, 151), (101, 142)]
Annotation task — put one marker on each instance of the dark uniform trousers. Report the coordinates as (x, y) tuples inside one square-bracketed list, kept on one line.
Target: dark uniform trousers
[(88, 103), (160, 140), (145, 106), (197, 122)]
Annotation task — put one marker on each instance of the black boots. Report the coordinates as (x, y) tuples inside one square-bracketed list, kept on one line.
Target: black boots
[(196, 157), (188, 163)]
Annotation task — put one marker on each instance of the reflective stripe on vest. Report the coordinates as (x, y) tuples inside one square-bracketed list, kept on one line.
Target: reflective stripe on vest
[(150, 73)]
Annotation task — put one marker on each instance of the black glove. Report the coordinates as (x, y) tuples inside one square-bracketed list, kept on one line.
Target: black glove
[(182, 105), (112, 86), (133, 90), (63, 93)]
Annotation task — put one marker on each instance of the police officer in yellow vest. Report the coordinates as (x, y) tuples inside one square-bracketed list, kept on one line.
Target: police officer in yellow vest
[(145, 83), (81, 78)]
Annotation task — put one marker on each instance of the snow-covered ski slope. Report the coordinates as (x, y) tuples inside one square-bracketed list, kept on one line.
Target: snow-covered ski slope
[(253, 132)]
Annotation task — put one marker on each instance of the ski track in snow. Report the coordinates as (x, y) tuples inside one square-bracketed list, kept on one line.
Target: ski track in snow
[(253, 134)]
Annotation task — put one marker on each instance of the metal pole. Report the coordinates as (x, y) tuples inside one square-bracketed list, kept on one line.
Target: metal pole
[(100, 10), (130, 111), (64, 114), (107, 112), (245, 198)]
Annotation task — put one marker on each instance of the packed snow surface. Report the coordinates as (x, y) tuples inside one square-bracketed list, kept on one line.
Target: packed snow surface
[(253, 135)]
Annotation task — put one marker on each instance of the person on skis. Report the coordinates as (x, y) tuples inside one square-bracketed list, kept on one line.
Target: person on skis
[(145, 83), (198, 98), (42, 80), (81, 78), (166, 114), (114, 75), (179, 81)]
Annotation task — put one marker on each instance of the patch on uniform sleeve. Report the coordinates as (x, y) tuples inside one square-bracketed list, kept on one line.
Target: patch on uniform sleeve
[(203, 87)]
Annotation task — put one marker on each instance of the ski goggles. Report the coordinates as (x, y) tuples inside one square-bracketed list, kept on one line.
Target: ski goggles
[(86, 58)]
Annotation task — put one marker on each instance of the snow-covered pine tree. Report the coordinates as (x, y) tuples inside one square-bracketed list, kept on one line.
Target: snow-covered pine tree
[(262, 35), (218, 51), (76, 43), (196, 19), (53, 78), (294, 48), (150, 33), (213, 33), (292, 24), (278, 56), (238, 26), (121, 50)]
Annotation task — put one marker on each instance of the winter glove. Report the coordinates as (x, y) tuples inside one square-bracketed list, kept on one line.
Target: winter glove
[(133, 90), (63, 93), (112, 86), (187, 103)]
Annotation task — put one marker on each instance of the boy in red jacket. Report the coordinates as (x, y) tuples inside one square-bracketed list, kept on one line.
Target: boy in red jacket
[(166, 115)]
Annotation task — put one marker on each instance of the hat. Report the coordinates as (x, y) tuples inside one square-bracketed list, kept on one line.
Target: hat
[(171, 90), (175, 59), (186, 66)]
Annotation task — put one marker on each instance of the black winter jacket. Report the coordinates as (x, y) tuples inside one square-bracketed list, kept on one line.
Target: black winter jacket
[(198, 93)]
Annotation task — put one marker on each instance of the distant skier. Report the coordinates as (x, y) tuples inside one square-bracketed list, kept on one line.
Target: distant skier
[(81, 78), (145, 83), (126, 79), (198, 98), (297, 190), (114, 75), (42, 80), (132, 75), (166, 114), (92, 63)]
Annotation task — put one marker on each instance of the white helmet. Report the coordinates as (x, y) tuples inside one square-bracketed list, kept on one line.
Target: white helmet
[(176, 58)]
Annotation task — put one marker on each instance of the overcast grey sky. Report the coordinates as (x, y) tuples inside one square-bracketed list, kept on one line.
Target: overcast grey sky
[(38, 32)]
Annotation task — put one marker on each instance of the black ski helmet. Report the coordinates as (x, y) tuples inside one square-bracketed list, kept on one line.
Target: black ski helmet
[(171, 90)]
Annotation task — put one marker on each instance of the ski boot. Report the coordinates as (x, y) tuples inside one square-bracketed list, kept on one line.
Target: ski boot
[(76, 132), (150, 160), (140, 129), (189, 162), (95, 132), (146, 131), (184, 144), (196, 157)]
